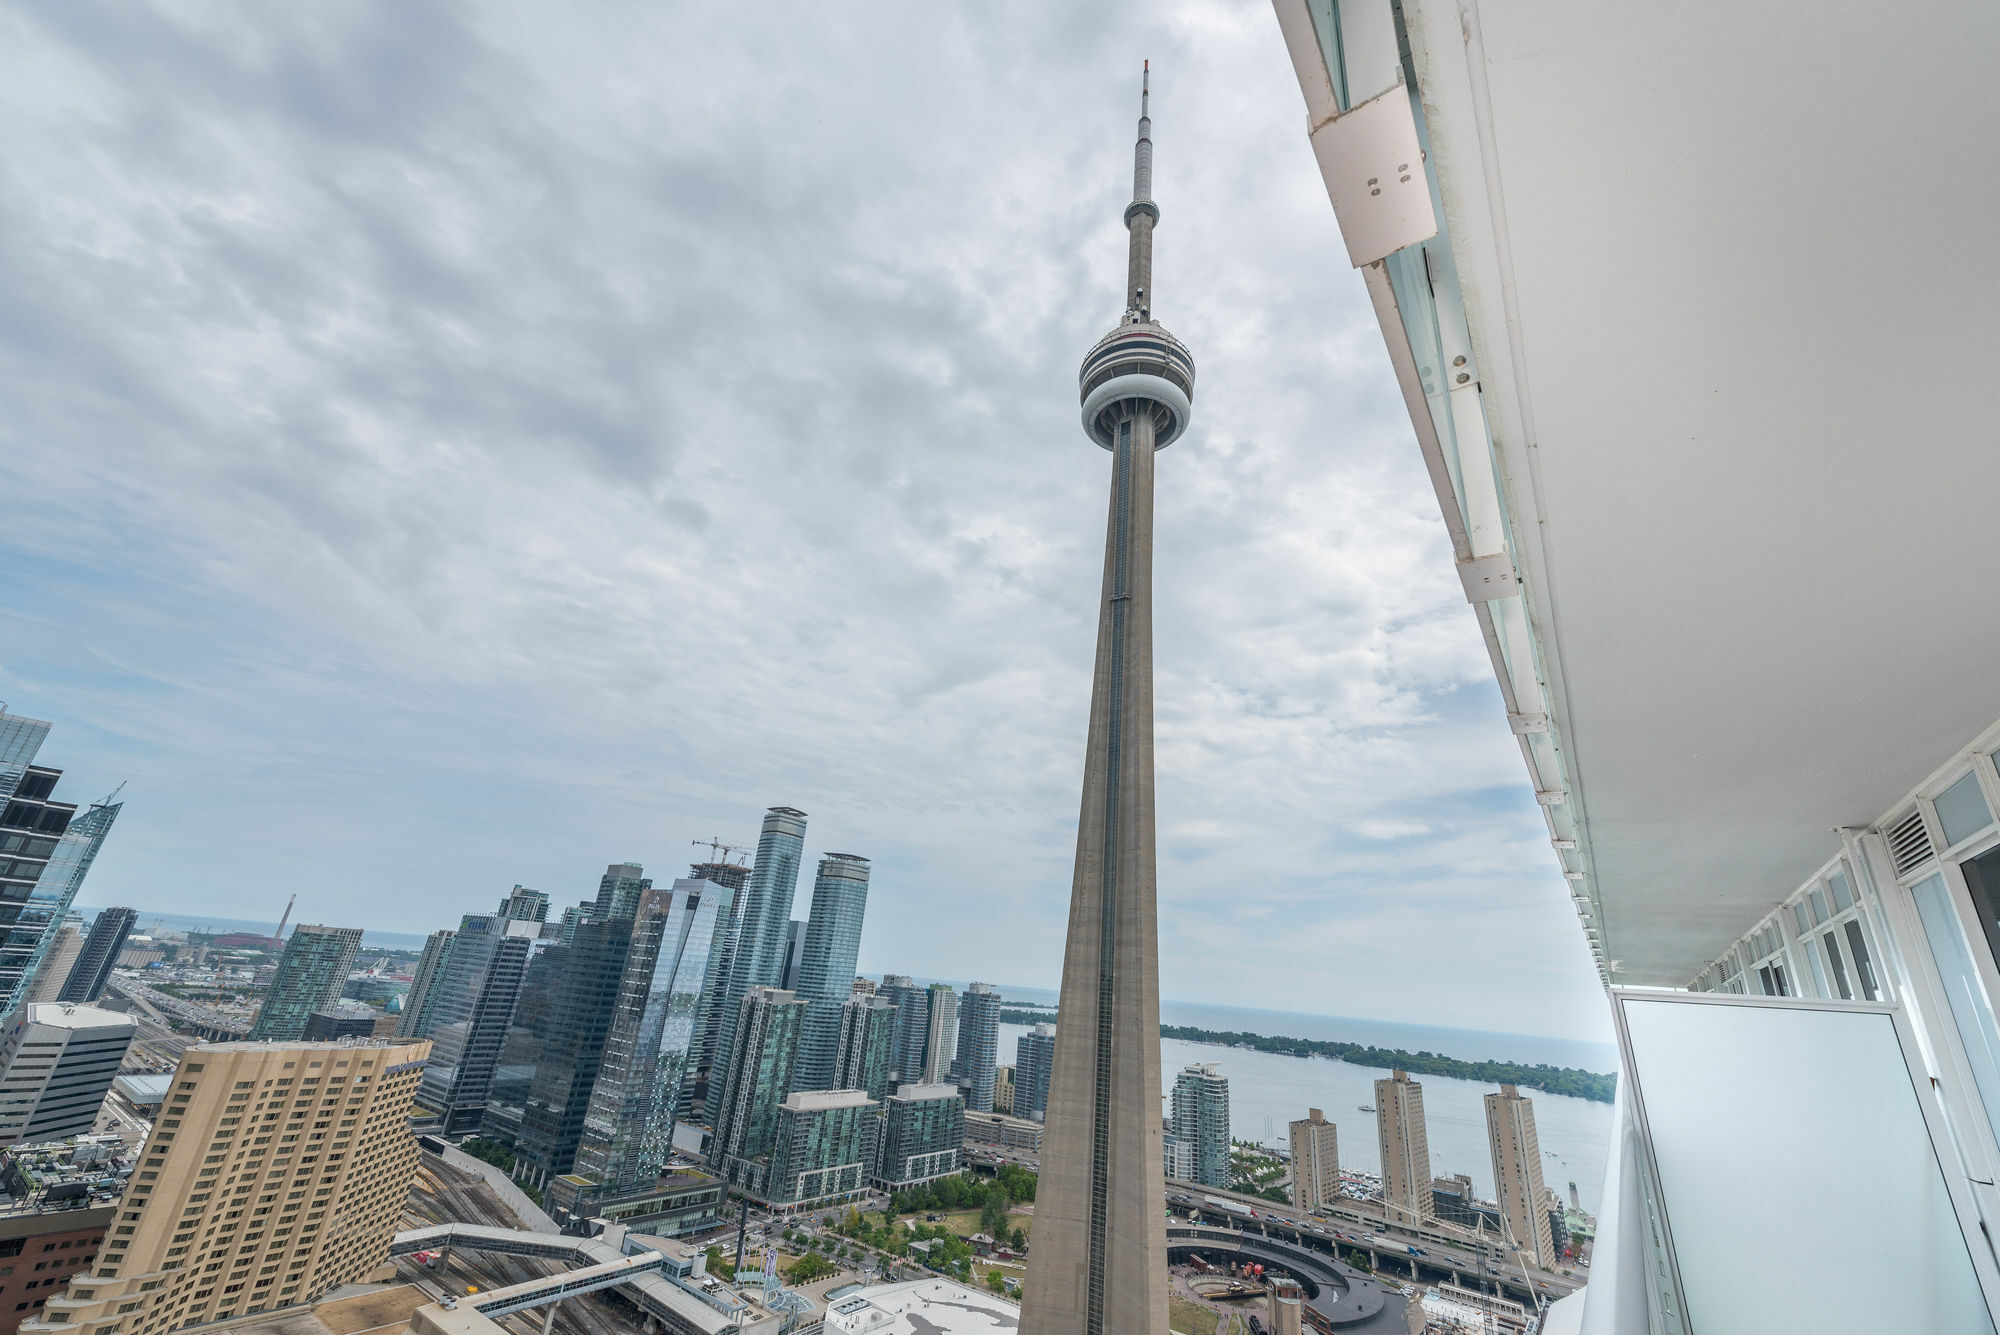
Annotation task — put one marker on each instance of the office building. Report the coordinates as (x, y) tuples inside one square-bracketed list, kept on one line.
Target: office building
[(766, 1036), (588, 988), (430, 969), (1099, 1257), (913, 1024), (978, 1045), (524, 904), (826, 963), (528, 1031), (757, 957), (222, 1226), (923, 1135), (795, 944), (1201, 1121), (822, 1148), (1034, 1057), (864, 987), (1517, 1174), (628, 1126), (57, 1062), (1011, 1135), (722, 960), (618, 891), (470, 1014), (940, 1034), (65, 948), (332, 1025), (309, 978), (1405, 1148), (669, 1206), (46, 850), (867, 1038), (1003, 1090), (101, 949), (1315, 1161)]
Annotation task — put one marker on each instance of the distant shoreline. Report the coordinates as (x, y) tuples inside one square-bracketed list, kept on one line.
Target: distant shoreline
[(1573, 1082)]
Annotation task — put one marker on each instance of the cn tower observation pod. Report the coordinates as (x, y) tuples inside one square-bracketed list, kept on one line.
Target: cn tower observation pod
[(1135, 365)]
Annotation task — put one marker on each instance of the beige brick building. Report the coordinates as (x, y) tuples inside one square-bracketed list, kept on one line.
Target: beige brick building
[(1315, 1161), (276, 1171), (1405, 1149)]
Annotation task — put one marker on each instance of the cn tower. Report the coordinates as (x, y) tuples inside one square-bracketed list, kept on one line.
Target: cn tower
[(1099, 1261)]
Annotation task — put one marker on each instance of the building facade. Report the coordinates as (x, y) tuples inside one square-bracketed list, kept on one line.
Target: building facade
[(862, 1057), (524, 904), (923, 1136), (1405, 1147), (1315, 1161), (470, 1014), (827, 959), (628, 1129), (913, 1024), (332, 1025), (309, 978), (64, 1241), (708, 1031), (759, 947), (760, 1076), (978, 1056), (822, 1147), (1014, 1135), (1003, 1090), (430, 970), (1517, 1174), (618, 891), (57, 1062), (584, 1006), (1034, 1055), (1201, 1121), (940, 1034), (795, 944), (237, 1208), (63, 952), (92, 970)]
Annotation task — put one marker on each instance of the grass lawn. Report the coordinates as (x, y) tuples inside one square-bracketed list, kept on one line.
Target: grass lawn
[(1189, 1318)]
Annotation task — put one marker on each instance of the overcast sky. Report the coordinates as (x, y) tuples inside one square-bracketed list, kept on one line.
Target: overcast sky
[(449, 446)]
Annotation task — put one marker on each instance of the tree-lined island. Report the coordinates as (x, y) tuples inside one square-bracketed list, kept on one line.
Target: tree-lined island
[(1568, 1080)]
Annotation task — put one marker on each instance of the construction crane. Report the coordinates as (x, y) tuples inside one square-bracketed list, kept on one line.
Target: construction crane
[(717, 850)]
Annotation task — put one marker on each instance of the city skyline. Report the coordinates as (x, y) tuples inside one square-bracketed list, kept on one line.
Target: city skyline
[(1338, 749)]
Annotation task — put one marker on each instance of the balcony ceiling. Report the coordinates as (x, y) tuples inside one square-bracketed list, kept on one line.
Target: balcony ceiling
[(1734, 288)]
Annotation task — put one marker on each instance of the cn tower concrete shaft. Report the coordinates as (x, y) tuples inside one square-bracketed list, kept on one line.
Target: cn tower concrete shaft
[(1098, 1263)]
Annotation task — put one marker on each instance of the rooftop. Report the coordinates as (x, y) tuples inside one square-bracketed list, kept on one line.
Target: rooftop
[(920, 1092), (813, 1100), (921, 1307), (64, 1015)]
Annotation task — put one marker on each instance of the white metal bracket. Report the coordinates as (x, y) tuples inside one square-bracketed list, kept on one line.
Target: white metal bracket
[(1489, 577)]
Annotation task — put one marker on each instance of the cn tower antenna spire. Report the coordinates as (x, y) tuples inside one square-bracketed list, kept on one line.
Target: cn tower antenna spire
[(1139, 256)]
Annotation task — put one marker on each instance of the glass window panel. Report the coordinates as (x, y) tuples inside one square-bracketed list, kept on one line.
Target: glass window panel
[(1864, 969), (1843, 899), (1818, 898), (1971, 1008), (1818, 973), (1839, 969), (1800, 919), (1961, 810), (1778, 972), (1770, 984)]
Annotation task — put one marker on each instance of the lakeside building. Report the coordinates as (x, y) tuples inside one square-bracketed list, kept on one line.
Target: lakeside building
[(1403, 1142), (825, 965), (1034, 1055), (913, 1021), (1016, 1135), (1726, 542), (1201, 1123), (1003, 1090), (309, 978), (57, 1062), (940, 1035), (1315, 1146), (1517, 1174), (978, 1057)]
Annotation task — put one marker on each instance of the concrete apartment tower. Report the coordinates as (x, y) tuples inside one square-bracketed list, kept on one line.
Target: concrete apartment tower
[(1098, 1265), (1315, 1161), (1406, 1149), (1517, 1174), (218, 1223)]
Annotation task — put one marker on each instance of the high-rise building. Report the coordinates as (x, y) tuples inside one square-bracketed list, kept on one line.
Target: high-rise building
[(913, 1025), (57, 1062), (618, 891), (430, 969), (1034, 1057), (978, 1045), (470, 1014), (528, 1030), (795, 944), (1098, 1264), (826, 964), (583, 1007), (225, 1227), (1405, 1148), (310, 973), (1315, 1161), (765, 1038), (940, 1035), (92, 969), (46, 849), (822, 1148), (864, 987), (65, 948), (525, 904), (628, 1128), (866, 1045), (1003, 1090), (1517, 1174), (1201, 1121), (330, 1026), (758, 955), (923, 1135)]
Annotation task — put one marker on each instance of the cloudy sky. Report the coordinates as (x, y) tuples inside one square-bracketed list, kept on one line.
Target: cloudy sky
[(448, 446)]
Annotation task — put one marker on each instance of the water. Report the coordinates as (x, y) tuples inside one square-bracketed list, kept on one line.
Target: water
[(182, 922)]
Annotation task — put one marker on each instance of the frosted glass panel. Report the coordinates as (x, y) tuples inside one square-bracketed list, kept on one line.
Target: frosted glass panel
[(1961, 810), (1964, 990), (1797, 1173)]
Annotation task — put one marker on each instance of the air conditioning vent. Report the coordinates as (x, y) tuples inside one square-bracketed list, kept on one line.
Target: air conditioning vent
[(1909, 843)]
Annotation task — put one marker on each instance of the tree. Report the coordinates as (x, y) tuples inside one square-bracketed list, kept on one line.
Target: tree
[(996, 1281), (808, 1268)]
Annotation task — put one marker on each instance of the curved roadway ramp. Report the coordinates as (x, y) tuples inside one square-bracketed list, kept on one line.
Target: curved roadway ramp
[(1341, 1296)]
